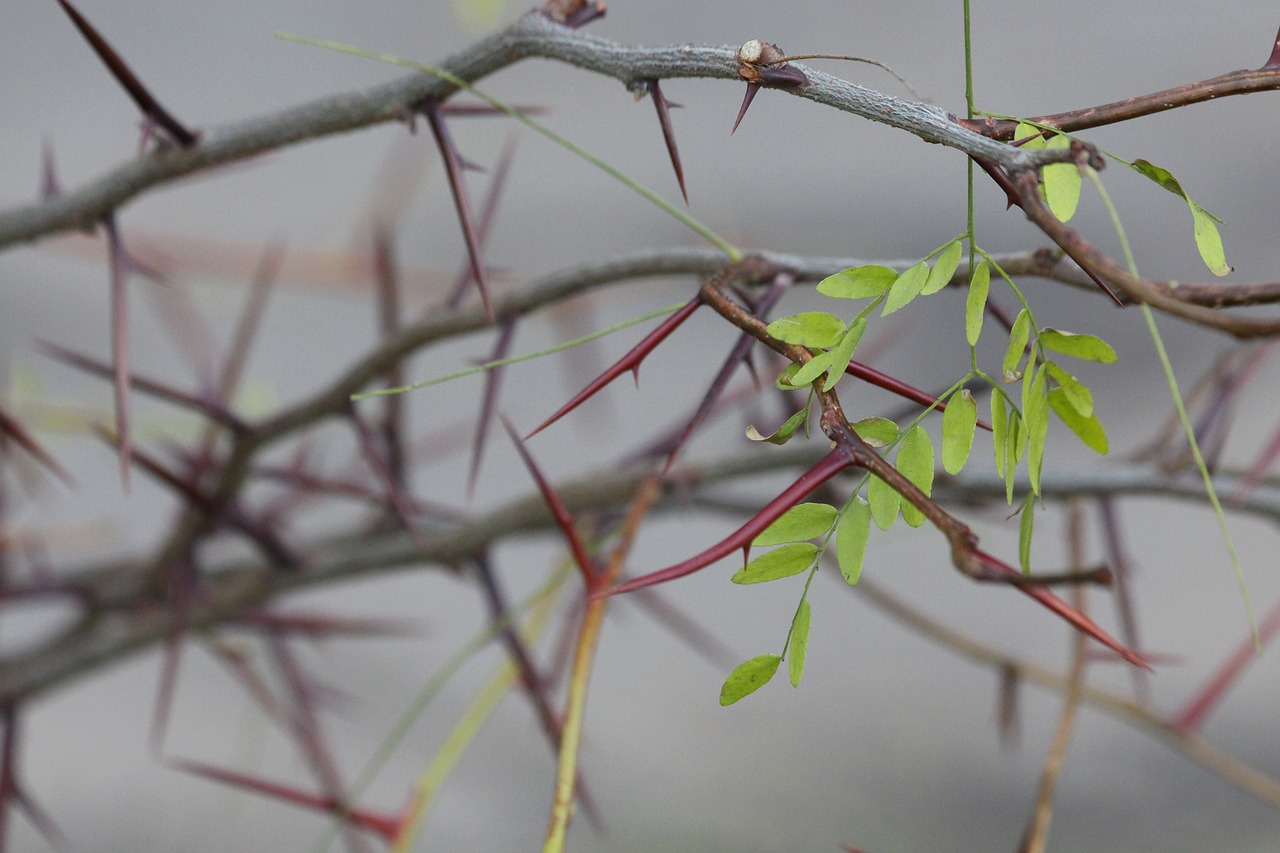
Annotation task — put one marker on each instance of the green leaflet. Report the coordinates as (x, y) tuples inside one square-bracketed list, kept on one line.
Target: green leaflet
[(816, 329), (958, 424), (813, 368), (999, 425), (1026, 525), (748, 677), (1061, 183), (884, 502), (1035, 409), (1085, 347), (1075, 391), (776, 564), (906, 288), (1086, 427), (1018, 336), (842, 354), (915, 461), (858, 282), (798, 648), (801, 523), (1208, 240), (976, 303), (943, 269), (783, 434), (851, 539), (877, 432)]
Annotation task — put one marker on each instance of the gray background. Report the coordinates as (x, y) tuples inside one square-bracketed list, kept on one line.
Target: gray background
[(890, 742)]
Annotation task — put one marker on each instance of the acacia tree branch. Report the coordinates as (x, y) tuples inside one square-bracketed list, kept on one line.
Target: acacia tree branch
[(533, 35)]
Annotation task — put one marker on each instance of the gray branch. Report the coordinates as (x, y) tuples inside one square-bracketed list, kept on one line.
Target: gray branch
[(532, 36)]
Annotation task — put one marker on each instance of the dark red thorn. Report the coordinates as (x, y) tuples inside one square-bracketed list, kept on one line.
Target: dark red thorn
[(663, 106), (1273, 61), (488, 402), (902, 389), (482, 110), (1193, 715), (631, 361), (399, 502), (12, 429), (149, 106), (487, 212), (119, 342), (1008, 715), (564, 520), (750, 96), (386, 826), (453, 170), (1000, 571), (387, 278), (737, 355), (830, 465)]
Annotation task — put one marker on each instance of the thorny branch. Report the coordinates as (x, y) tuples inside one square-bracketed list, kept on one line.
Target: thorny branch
[(118, 603)]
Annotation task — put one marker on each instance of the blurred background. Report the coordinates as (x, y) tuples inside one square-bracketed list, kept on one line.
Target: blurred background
[(891, 742)]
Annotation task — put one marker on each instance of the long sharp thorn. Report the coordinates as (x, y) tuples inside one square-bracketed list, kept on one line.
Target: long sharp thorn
[(1071, 615), (663, 106), (830, 465), (750, 96), (387, 827), (453, 170), (487, 212), (737, 356), (149, 106), (564, 520), (1273, 61), (120, 344), (488, 401), (902, 389), (629, 362)]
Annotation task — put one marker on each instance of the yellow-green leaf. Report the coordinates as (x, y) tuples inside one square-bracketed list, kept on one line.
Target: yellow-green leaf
[(1026, 526), (799, 645), (813, 368), (1061, 183), (915, 461), (975, 304), (1086, 427), (1035, 409), (958, 424), (851, 539), (999, 425), (784, 432), (1075, 391), (1085, 347), (843, 352), (808, 329), (884, 502), (1208, 240), (801, 523), (776, 564), (858, 282), (906, 288), (1017, 346), (875, 431), (748, 677), (943, 269)]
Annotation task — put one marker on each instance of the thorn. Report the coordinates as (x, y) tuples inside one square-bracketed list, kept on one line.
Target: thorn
[(750, 96), (630, 361), (663, 106), (119, 342), (830, 465), (149, 106), (453, 170)]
